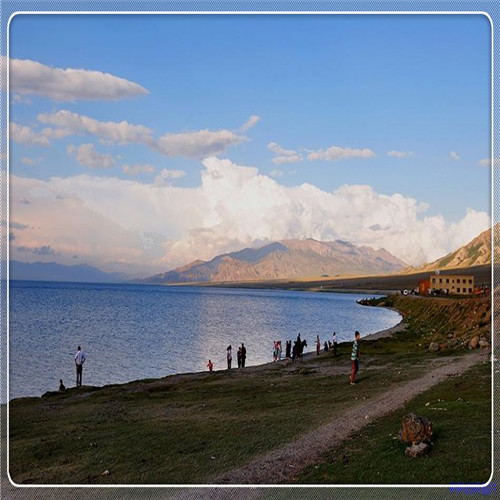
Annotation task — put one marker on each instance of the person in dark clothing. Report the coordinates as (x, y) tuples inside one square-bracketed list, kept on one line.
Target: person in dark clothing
[(243, 355), (239, 357), (334, 344), (62, 387), (288, 349), (229, 357)]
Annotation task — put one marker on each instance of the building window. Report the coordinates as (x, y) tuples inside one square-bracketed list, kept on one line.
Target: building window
[(470, 290), (440, 280), (447, 280), (458, 290), (453, 281), (433, 280), (470, 282)]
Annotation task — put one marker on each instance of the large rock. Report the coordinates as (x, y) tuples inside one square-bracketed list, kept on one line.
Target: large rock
[(474, 342), (434, 346), (484, 343), (417, 450), (415, 429)]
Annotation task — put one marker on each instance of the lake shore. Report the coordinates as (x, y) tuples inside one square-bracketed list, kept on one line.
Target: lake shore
[(180, 429)]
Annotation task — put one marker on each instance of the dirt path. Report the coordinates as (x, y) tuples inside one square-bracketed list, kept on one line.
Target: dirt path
[(281, 465)]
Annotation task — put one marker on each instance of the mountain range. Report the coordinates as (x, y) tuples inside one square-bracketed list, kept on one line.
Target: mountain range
[(286, 259)]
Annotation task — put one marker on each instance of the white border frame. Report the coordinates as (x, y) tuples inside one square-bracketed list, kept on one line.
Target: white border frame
[(223, 13)]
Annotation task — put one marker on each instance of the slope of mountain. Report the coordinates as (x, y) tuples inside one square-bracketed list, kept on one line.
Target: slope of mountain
[(286, 259), (51, 271), (475, 253)]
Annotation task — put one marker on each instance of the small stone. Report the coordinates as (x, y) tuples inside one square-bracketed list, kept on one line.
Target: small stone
[(427, 404), (449, 336), (105, 473), (483, 344), (474, 342), (415, 429), (434, 347), (417, 450)]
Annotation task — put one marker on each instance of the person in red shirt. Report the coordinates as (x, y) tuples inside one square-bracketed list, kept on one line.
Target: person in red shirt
[(210, 365)]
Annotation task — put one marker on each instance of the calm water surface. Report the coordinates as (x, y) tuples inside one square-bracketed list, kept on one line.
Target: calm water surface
[(129, 332)]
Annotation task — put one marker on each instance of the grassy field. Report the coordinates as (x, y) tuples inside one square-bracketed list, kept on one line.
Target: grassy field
[(460, 409), (192, 428)]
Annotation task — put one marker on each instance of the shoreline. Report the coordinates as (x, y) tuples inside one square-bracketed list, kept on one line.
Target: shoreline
[(386, 333)]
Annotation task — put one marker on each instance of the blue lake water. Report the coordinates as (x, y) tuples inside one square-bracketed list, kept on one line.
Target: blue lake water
[(129, 332)]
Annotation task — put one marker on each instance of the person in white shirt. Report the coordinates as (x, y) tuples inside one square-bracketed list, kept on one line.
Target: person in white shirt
[(79, 360)]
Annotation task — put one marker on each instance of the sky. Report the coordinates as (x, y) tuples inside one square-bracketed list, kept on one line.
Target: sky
[(139, 143)]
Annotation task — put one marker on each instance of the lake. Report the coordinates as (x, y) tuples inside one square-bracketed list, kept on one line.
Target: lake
[(130, 332)]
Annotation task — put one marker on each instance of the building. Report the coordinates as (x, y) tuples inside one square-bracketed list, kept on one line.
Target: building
[(452, 284), (423, 287)]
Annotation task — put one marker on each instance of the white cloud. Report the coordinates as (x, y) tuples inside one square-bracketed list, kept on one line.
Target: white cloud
[(196, 144), (122, 223), (399, 154), (486, 162), (454, 156), (25, 135), (32, 77), (87, 155), (251, 122), (116, 132), (137, 169), (284, 155), (276, 173), (27, 161), (167, 176), (335, 153)]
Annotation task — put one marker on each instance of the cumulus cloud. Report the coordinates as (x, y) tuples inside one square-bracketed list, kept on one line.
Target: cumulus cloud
[(87, 155), (454, 156), (399, 154), (123, 224), (166, 176), (284, 155), (26, 135), (336, 153), (32, 77), (276, 173), (137, 169)]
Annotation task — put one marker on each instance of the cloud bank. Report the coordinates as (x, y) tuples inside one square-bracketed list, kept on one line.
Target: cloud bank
[(127, 225)]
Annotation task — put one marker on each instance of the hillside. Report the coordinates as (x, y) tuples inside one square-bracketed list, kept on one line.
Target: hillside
[(475, 253), (286, 259)]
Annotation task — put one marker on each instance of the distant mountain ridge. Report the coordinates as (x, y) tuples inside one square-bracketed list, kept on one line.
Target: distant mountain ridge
[(51, 271), (285, 259), (475, 253)]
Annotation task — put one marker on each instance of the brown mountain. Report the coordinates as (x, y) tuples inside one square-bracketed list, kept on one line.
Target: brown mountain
[(286, 259), (475, 253)]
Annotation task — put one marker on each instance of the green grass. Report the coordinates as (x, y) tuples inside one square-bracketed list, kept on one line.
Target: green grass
[(462, 440)]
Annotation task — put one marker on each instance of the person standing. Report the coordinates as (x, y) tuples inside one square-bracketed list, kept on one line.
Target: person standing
[(243, 355), (210, 365), (79, 360), (355, 357), (229, 357), (279, 350), (239, 357), (334, 344), (318, 345), (288, 351)]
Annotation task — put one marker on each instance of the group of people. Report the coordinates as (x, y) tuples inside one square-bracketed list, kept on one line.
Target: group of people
[(241, 356)]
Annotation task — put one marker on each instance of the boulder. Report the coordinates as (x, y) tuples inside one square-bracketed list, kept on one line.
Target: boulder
[(434, 346), (484, 343), (417, 450), (474, 342), (415, 429)]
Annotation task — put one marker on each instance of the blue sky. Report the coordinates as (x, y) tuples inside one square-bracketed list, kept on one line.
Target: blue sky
[(417, 87)]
